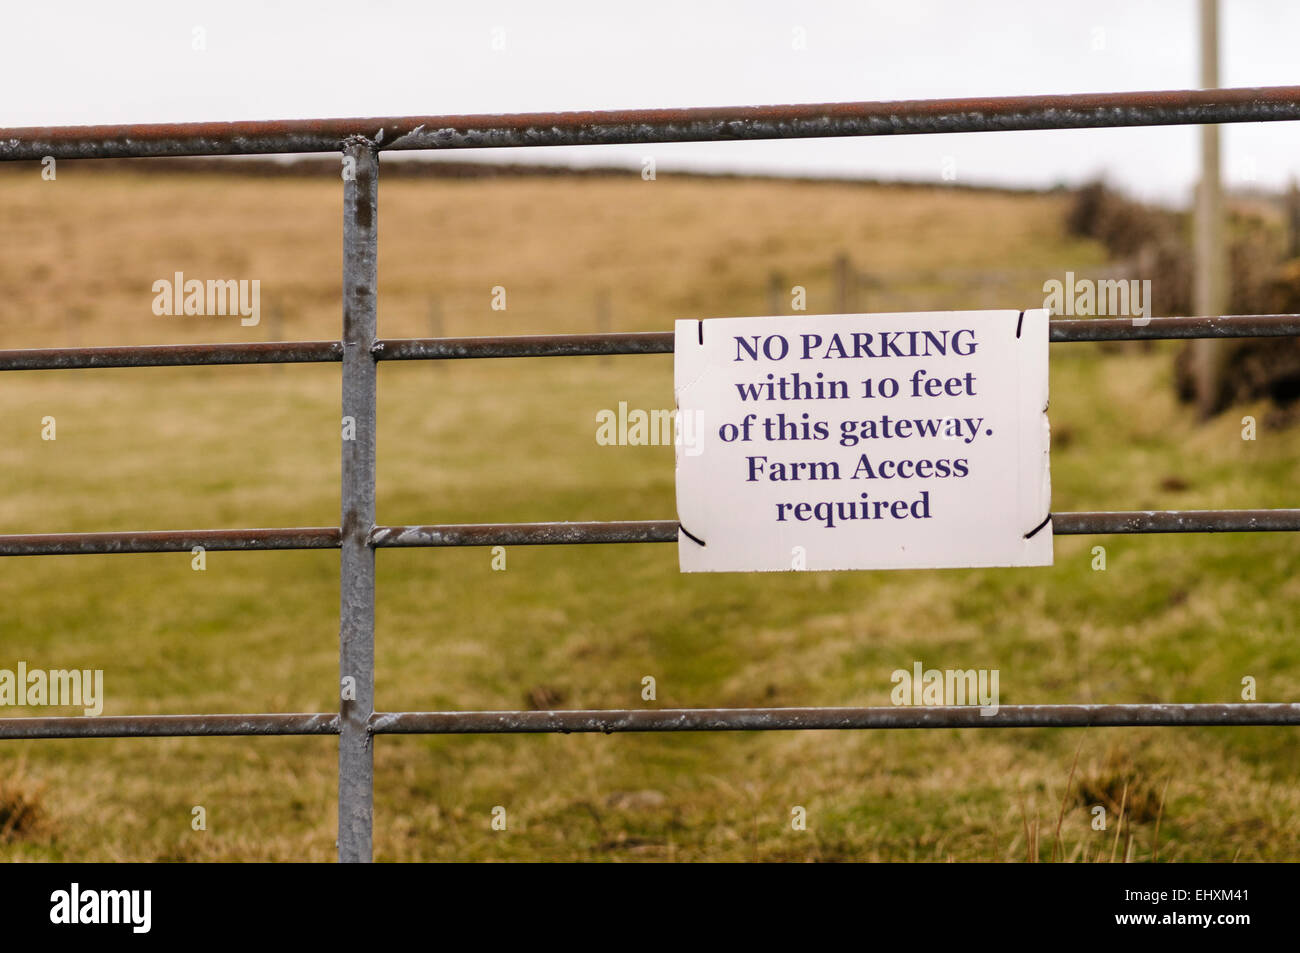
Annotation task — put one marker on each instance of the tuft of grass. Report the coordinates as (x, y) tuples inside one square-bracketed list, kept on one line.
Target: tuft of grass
[(23, 814), (1126, 789)]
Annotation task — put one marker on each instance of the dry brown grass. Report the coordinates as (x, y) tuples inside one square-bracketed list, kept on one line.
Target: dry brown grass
[(23, 815)]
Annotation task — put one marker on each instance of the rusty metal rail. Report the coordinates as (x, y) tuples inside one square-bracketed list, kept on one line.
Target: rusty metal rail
[(658, 720), (1123, 522), (1060, 330), (169, 726), (648, 126), (168, 541), (171, 355), (787, 719), (360, 350)]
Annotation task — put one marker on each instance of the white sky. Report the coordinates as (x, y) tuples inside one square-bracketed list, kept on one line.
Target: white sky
[(85, 61)]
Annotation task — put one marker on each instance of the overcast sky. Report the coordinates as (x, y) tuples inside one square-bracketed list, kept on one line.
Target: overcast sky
[(85, 61)]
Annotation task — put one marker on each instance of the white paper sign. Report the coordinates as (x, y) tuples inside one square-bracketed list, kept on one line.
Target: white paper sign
[(863, 441)]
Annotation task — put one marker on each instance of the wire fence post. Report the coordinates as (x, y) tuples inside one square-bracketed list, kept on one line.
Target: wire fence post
[(357, 561)]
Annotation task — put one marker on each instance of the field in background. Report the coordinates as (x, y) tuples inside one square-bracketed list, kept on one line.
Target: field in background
[(1170, 619)]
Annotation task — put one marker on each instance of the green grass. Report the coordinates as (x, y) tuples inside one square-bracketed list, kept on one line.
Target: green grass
[(1170, 619)]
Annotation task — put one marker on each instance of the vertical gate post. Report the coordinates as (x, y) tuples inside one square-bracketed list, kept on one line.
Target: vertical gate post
[(357, 562)]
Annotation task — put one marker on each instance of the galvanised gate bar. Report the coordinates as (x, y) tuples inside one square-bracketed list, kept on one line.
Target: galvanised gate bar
[(361, 349)]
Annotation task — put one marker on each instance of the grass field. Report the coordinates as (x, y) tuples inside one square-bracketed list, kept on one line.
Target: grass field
[(1170, 619)]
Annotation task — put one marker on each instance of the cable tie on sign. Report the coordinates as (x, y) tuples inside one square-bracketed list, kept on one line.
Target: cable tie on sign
[(1019, 323), (1034, 532), (691, 536), (701, 326)]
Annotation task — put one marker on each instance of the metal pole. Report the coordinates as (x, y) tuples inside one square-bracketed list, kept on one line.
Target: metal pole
[(842, 270), (357, 562), (603, 310), (775, 293), (1293, 221), (1211, 267)]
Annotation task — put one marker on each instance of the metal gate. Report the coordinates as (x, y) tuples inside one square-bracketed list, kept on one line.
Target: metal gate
[(361, 349)]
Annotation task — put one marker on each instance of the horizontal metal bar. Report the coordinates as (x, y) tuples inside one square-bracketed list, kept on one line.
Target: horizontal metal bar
[(1062, 330), (537, 345), (665, 531), (1152, 329), (168, 541), (552, 534), (574, 345), (171, 355), (525, 534), (1176, 521), (712, 124), (634, 720), (168, 726), (781, 719)]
